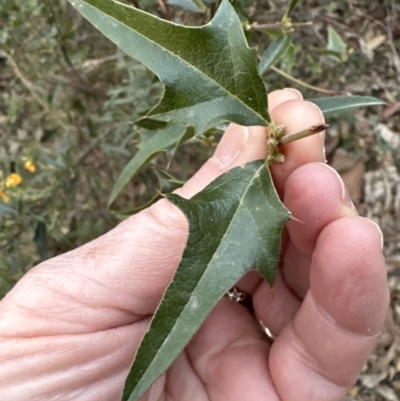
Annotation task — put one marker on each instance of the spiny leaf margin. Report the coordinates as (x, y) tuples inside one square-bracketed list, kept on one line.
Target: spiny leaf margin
[(171, 136), (218, 79), (237, 222)]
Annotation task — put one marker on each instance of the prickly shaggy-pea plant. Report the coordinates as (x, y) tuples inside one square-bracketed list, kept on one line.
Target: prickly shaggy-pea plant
[(210, 78)]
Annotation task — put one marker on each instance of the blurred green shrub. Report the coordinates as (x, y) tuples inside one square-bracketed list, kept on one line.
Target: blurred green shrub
[(66, 114)]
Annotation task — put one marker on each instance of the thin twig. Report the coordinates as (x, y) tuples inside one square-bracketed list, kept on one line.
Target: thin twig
[(314, 129), (315, 88), (276, 25), (28, 85)]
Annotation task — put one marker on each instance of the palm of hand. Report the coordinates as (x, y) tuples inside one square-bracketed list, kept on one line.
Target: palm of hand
[(71, 327)]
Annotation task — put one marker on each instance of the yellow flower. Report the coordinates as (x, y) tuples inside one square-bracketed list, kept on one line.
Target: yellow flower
[(29, 166), (4, 197), (13, 180)]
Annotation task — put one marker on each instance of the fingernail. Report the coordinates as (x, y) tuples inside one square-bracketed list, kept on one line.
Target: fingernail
[(345, 193), (232, 144), (379, 231), (318, 110), (298, 94)]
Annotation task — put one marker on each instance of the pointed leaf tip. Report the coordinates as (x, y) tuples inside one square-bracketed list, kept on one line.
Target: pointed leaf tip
[(167, 138), (218, 79), (292, 6), (340, 104)]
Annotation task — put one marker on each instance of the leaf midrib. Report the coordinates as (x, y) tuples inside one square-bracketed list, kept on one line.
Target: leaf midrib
[(213, 255)]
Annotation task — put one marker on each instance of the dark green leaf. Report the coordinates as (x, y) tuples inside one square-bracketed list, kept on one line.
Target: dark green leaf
[(40, 240), (151, 124), (15, 262), (340, 104), (236, 222), (218, 79), (195, 6), (164, 140), (274, 52), (167, 184), (292, 6)]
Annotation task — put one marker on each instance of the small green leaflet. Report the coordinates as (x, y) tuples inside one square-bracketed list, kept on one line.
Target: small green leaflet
[(204, 85), (336, 45), (169, 137), (274, 52), (236, 222), (340, 104)]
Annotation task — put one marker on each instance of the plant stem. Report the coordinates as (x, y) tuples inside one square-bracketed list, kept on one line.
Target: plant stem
[(299, 82), (275, 25), (314, 129)]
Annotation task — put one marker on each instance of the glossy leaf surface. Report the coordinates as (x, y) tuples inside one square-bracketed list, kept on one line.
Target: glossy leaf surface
[(235, 226), (210, 74), (340, 104), (169, 137)]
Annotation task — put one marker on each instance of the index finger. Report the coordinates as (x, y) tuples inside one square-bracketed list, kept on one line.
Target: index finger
[(328, 341), (297, 115)]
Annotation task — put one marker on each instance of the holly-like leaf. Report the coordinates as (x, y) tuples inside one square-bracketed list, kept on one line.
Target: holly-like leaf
[(339, 104), (169, 137), (236, 222), (210, 73), (274, 52)]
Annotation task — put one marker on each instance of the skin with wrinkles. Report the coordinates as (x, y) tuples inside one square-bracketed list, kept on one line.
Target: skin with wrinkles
[(69, 329)]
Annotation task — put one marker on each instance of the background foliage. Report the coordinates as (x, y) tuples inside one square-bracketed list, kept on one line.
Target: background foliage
[(69, 99)]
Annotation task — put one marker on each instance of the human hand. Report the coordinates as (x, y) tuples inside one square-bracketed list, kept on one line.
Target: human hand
[(70, 328)]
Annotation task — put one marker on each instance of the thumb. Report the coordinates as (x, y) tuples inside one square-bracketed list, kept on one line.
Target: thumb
[(124, 272)]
